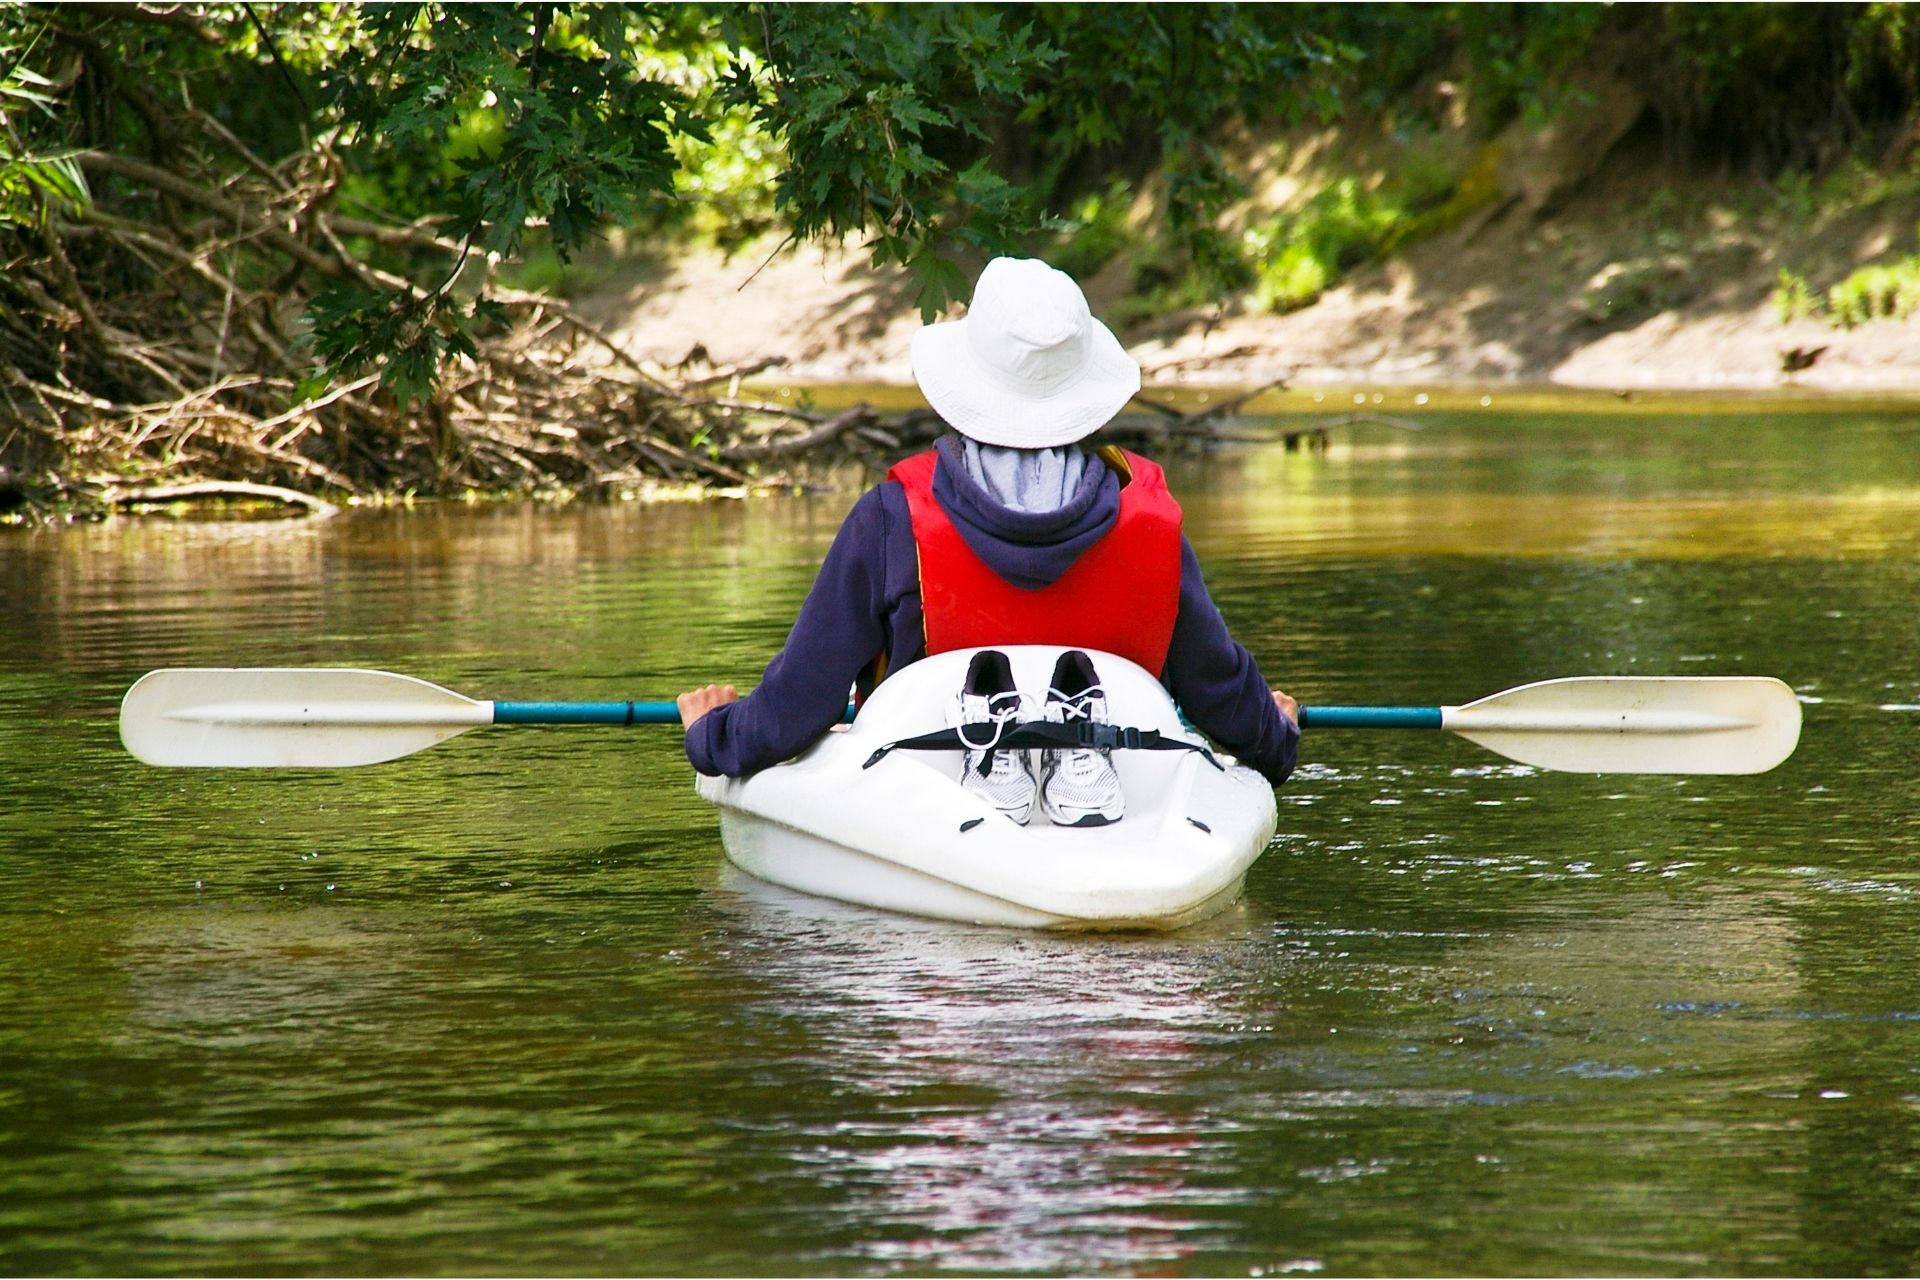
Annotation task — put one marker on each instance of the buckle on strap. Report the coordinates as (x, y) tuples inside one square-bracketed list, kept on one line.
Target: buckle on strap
[(1109, 737)]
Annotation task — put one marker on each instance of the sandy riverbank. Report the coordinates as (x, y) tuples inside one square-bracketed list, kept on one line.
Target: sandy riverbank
[(1624, 290)]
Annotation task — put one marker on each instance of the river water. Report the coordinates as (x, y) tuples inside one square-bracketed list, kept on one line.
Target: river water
[(501, 1008)]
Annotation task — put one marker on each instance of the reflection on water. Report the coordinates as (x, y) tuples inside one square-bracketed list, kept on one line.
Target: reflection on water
[(500, 1006), (1063, 1140)]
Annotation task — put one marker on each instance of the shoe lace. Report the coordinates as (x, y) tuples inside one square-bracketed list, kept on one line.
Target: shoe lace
[(1002, 710), (1078, 706)]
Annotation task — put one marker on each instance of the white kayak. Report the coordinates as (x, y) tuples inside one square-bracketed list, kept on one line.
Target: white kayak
[(905, 835)]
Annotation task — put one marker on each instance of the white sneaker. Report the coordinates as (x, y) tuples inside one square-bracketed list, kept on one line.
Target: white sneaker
[(1079, 786), (987, 707)]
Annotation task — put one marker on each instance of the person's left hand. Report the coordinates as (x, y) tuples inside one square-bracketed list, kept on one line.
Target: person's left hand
[(695, 703)]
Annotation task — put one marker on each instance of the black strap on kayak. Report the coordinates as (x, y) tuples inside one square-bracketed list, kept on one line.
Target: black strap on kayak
[(1043, 733)]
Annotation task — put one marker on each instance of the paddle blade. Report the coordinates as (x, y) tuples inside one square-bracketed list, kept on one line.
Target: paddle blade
[(1638, 724), (288, 717)]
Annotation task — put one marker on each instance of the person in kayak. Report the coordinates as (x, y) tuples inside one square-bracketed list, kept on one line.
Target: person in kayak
[(1009, 531)]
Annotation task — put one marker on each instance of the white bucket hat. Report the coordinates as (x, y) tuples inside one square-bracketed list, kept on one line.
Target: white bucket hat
[(1028, 367)]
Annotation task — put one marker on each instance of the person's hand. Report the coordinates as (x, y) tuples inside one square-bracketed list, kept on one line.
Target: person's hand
[(1288, 707), (695, 703)]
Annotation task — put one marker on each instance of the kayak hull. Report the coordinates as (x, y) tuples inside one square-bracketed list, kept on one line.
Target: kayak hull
[(904, 835), (798, 860)]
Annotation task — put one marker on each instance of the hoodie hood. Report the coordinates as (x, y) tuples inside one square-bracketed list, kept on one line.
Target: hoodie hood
[(1030, 549)]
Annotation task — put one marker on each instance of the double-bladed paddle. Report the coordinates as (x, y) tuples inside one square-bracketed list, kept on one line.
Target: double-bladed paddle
[(319, 717)]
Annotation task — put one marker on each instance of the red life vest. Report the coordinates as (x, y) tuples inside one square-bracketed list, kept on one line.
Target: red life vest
[(1121, 595)]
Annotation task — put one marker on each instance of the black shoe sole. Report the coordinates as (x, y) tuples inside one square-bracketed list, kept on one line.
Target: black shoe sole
[(1091, 820)]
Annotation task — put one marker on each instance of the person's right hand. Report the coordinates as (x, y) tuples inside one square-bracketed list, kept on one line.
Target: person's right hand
[(1288, 707), (695, 703)]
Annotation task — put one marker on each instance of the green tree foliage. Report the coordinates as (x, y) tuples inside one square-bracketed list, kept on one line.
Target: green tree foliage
[(33, 182), (1158, 85), (941, 133), (1773, 85), (569, 133), (890, 108), (938, 131)]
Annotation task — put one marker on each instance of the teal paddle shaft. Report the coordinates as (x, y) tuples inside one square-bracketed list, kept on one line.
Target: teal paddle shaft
[(585, 713), (1371, 718), (667, 713), (592, 713)]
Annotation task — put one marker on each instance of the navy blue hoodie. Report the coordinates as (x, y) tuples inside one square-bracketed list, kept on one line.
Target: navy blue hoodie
[(866, 602)]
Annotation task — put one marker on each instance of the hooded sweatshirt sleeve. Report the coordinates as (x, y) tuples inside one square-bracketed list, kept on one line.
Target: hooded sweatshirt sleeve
[(1219, 686), (803, 692)]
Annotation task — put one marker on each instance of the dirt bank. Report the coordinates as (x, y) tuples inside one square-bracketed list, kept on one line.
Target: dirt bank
[(1645, 280)]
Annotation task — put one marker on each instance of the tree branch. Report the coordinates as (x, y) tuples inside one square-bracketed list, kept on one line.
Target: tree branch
[(174, 185), (169, 17), (320, 507), (859, 415)]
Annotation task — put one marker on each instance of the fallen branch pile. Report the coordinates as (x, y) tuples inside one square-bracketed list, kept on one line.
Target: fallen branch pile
[(148, 341), (151, 346)]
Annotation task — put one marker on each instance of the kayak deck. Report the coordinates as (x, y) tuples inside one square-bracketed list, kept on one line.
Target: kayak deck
[(905, 835)]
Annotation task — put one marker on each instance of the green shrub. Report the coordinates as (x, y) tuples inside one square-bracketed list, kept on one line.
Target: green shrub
[(1792, 299), (1297, 257), (1888, 291), (1292, 278)]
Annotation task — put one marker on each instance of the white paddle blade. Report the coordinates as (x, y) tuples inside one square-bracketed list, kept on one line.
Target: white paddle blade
[(288, 717), (1637, 724)]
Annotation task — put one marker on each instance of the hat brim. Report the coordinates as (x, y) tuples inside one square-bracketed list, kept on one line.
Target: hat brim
[(977, 404)]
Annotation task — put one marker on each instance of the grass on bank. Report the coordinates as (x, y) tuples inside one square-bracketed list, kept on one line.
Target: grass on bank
[(1889, 291)]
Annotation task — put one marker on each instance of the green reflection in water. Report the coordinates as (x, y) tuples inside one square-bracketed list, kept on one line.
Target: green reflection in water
[(499, 1007)]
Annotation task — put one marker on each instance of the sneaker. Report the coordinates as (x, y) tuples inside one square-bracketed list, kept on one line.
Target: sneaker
[(1078, 785), (988, 706)]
